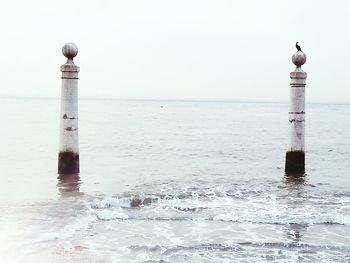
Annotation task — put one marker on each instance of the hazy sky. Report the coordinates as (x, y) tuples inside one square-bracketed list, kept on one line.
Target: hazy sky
[(183, 49)]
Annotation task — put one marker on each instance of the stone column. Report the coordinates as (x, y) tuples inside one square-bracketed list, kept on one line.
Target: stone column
[(295, 156), (68, 158)]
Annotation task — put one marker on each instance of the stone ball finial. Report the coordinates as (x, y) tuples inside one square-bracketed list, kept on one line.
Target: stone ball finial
[(299, 59), (70, 50)]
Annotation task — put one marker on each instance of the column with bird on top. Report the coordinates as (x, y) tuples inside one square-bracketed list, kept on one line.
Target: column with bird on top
[(295, 156)]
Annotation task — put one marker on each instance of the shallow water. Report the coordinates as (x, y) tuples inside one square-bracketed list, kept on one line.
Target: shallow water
[(209, 177)]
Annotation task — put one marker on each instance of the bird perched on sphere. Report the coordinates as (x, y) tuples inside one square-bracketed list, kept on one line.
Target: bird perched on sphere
[(298, 47)]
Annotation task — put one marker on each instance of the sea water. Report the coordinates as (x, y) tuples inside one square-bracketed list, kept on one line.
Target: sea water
[(174, 181)]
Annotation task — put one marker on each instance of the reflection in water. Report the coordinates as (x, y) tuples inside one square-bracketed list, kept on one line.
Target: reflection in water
[(295, 184), (294, 179), (68, 185)]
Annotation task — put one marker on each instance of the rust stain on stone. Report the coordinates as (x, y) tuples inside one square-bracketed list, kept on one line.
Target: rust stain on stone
[(294, 120), (297, 112), (71, 129), (69, 118)]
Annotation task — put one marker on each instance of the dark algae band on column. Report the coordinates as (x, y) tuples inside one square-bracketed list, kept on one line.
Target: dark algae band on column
[(68, 163), (295, 162)]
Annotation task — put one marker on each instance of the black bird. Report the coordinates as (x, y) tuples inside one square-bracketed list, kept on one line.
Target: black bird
[(297, 46)]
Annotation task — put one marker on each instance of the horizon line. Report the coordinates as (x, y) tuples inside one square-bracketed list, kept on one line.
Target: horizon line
[(177, 100)]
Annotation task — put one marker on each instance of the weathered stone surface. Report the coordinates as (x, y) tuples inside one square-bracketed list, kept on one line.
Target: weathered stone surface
[(299, 59), (70, 50)]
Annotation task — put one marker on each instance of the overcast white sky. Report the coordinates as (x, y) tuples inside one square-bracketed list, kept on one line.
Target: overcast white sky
[(183, 49)]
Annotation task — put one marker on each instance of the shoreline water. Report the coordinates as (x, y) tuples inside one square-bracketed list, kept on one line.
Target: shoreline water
[(210, 177)]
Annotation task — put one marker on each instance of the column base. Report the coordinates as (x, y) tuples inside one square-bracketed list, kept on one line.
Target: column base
[(68, 163), (295, 162)]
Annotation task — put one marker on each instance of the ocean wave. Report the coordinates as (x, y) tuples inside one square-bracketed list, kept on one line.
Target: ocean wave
[(246, 204)]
